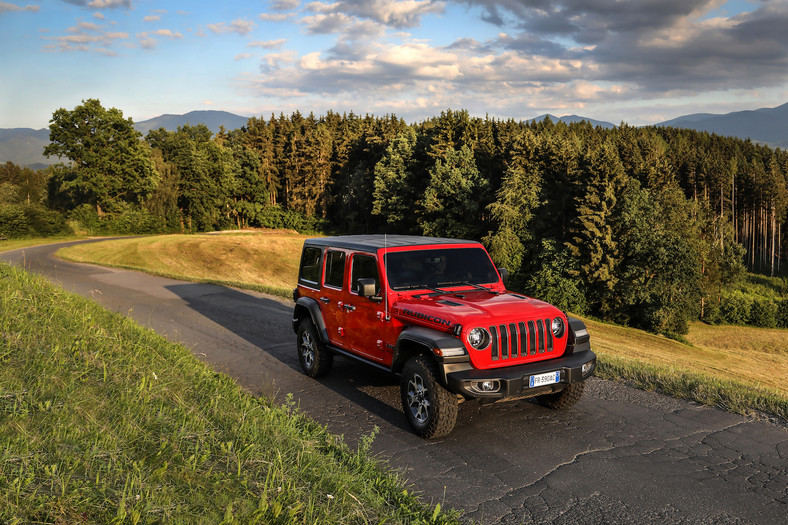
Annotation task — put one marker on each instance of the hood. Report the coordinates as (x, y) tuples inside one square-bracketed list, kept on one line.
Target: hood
[(475, 307)]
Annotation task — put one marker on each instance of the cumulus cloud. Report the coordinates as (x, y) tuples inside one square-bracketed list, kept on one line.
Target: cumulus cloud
[(392, 13), (657, 46), (101, 4), (276, 17), (6, 8), (284, 5), (87, 37), (268, 44), (147, 40), (240, 26)]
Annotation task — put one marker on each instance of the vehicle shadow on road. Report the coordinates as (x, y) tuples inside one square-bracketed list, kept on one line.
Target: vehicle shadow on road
[(266, 323)]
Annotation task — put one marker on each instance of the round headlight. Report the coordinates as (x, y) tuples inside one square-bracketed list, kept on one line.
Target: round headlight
[(558, 327), (479, 338)]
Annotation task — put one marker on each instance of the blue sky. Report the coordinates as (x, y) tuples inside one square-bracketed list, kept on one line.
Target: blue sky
[(636, 61)]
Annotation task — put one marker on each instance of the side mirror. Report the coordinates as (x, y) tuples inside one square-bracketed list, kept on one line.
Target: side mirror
[(366, 287), (504, 275)]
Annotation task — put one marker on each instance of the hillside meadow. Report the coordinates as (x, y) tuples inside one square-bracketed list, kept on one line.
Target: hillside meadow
[(741, 369)]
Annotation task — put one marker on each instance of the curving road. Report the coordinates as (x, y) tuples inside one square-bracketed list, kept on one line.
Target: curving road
[(619, 456)]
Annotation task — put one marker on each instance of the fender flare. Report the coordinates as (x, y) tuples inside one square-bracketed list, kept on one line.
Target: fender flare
[(578, 340), (306, 306), (415, 340)]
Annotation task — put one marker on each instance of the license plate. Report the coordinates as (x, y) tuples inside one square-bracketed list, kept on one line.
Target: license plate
[(544, 379)]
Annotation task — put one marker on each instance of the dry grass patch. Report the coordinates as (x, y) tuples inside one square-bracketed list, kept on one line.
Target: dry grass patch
[(264, 260), (757, 356)]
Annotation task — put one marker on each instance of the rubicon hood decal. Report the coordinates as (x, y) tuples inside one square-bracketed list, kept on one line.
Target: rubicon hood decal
[(426, 317)]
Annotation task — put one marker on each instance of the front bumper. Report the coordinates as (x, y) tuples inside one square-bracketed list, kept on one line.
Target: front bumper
[(513, 381)]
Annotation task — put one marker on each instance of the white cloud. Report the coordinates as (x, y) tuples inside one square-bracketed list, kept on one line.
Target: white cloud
[(268, 44), (284, 5), (105, 4), (240, 26), (393, 13), (147, 41), (276, 17), (7, 8)]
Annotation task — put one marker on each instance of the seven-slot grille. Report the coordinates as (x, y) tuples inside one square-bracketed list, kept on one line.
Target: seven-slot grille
[(521, 339)]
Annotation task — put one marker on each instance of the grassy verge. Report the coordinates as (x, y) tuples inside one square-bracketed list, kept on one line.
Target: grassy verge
[(738, 368), (264, 262), (102, 421), (14, 244)]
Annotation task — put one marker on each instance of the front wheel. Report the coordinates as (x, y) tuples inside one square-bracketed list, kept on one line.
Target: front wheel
[(315, 358), (565, 398), (431, 410)]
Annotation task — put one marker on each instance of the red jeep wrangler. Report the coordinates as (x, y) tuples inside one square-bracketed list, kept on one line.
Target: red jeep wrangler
[(436, 312)]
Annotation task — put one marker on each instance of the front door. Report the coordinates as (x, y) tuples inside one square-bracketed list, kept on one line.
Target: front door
[(365, 318)]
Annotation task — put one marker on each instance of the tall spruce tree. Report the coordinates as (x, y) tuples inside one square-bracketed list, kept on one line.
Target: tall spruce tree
[(594, 236)]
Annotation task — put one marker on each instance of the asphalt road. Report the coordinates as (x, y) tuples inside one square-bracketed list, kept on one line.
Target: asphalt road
[(619, 456)]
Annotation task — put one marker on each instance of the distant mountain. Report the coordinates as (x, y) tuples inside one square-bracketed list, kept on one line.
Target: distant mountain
[(25, 147), (212, 119), (768, 125), (569, 119)]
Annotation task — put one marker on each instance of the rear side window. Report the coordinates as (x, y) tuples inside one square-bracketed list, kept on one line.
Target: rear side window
[(335, 269), (309, 274)]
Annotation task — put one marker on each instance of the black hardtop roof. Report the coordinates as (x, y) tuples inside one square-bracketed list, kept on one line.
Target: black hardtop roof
[(375, 242)]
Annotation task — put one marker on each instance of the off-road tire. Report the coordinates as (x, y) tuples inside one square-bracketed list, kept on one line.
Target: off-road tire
[(315, 358), (430, 409), (565, 398)]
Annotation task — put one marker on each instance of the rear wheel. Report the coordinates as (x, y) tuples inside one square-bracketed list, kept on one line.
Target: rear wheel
[(431, 410), (565, 398), (315, 358)]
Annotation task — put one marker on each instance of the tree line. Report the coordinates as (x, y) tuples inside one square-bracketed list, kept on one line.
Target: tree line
[(642, 226)]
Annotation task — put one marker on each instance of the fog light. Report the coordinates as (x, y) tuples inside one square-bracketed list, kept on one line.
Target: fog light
[(486, 387), (587, 368)]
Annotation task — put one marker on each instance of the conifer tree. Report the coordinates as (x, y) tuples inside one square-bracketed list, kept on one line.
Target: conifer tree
[(451, 206), (594, 234)]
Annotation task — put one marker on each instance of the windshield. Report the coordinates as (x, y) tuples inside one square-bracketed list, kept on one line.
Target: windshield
[(438, 268)]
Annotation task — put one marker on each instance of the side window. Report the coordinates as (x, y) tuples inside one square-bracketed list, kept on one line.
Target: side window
[(364, 266), (335, 269), (309, 273)]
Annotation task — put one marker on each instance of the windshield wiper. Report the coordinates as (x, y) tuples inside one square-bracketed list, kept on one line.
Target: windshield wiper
[(465, 283), (417, 287)]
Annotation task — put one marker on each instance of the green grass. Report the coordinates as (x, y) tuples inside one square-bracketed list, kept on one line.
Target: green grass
[(102, 421)]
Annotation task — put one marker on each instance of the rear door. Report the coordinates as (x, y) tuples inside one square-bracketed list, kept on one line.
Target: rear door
[(332, 295)]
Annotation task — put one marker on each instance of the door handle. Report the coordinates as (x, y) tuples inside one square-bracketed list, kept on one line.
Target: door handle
[(350, 308), (325, 300)]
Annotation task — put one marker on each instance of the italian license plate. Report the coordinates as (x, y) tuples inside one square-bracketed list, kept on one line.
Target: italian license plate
[(544, 379)]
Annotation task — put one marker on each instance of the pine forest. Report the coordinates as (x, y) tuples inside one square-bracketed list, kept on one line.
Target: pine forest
[(645, 226)]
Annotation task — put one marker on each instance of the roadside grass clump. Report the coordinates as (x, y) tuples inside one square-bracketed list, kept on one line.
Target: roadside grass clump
[(15, 244), (102, 421), (732, 396)]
